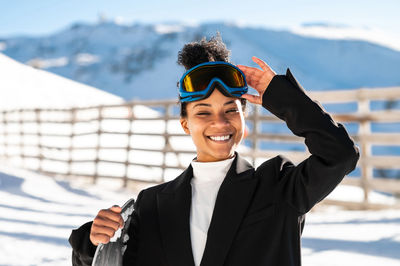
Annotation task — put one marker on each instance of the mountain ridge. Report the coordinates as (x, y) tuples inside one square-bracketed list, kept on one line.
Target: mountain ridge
[(127, 60)]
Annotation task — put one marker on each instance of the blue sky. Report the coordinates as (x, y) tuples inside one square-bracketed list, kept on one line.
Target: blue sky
[(46, 16)]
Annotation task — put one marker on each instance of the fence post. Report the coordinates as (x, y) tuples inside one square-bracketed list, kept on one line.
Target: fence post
[(39, 136), (167, 117), (99, 131), (131, 116), (21, 138), (365, 129), (5, 137), (71, 142)]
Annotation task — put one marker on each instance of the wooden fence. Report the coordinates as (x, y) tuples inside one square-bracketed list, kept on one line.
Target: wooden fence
[(142, 140)]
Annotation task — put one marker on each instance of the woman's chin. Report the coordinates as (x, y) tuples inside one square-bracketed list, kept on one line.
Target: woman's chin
[(219, 156)]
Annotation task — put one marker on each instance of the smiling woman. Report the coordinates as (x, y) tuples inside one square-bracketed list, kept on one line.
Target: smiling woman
[(216, 125), (221, 210)]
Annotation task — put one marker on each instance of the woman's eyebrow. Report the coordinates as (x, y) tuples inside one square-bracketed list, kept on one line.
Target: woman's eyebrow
[(202, 104), (209, 105), (230, 102)]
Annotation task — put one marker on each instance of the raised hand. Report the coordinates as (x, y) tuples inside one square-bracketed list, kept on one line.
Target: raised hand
[(104, 226), (258, 79)]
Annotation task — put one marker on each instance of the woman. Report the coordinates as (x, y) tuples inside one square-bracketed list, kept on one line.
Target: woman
[(220, 210)]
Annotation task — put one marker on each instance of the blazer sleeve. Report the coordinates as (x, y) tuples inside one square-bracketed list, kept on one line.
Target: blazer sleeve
[(82, 248), (333, 153)]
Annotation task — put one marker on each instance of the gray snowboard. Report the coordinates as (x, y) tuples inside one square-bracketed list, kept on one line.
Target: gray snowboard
[(111, 254)]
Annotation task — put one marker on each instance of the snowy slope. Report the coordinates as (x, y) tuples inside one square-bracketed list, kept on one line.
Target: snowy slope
[(25, 87), (128, 60), (39, 212)]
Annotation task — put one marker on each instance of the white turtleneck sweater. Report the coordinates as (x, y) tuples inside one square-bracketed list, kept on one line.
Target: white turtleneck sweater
[(206, 181)]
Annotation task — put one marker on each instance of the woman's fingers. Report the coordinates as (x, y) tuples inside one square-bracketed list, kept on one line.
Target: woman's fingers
[(111, 215), (117, 209), (105, 230), (250, 72), (261, 63), (97, 239), (253, 75), (257, 78), (106, 223), (252, 98)]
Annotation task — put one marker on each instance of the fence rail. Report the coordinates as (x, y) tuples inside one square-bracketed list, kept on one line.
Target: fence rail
[(119, 141)]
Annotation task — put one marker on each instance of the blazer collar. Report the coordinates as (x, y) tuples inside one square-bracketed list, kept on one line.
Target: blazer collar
[(174, 214)]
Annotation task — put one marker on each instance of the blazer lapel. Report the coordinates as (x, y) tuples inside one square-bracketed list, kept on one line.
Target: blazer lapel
[(174, 217), (232, 201)]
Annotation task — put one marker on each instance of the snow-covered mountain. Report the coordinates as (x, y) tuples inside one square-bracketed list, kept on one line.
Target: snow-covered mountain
[(130, 60)]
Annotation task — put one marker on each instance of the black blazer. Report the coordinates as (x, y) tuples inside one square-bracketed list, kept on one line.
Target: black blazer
[(259, 213)]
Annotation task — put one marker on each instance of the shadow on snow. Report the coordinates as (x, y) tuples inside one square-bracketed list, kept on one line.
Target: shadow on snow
[(46, 239), (385, 247)]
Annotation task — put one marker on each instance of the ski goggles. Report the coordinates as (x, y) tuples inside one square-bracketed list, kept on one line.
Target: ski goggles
[(200, 81)]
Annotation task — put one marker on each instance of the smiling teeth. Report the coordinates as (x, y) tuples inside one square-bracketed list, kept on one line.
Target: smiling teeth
[(220, 138)]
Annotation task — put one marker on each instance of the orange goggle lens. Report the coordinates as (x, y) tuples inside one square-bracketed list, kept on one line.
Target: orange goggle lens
[(199, 78)]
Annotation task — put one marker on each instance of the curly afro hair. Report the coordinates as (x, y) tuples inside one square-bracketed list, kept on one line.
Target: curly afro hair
[(195, 53)]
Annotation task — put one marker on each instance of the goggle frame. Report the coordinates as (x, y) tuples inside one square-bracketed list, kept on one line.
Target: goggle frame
[(228, 91)]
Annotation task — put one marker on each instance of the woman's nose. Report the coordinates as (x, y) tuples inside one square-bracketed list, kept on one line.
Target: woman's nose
[(221, 120)]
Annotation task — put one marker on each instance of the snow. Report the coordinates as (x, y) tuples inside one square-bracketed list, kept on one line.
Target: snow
[(38, 212), (3, 46), (85, 59), (336, 237), (48, 63), (23, 86), (166, 28), (356, 194), (343, 32)]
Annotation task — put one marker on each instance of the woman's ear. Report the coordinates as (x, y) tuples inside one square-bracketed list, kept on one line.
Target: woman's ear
[(184, 124)]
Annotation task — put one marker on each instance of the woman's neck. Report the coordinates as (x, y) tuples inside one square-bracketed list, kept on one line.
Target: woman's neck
[(206, 172)]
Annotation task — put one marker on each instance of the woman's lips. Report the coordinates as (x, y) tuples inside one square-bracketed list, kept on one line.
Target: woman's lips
[(220, 138)]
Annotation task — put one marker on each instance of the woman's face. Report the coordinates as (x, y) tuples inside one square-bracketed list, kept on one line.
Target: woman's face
[(216, 125)]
